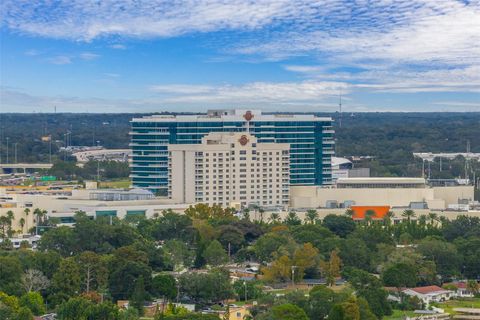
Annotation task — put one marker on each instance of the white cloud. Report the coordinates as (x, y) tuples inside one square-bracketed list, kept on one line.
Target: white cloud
[(32, 53), (88, 56), (459, 79), (118, 46), (60, 60), (84, 20), (300, 93)]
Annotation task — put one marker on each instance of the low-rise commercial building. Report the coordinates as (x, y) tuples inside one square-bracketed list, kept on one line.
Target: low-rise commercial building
[(229, 168), (394, 192)]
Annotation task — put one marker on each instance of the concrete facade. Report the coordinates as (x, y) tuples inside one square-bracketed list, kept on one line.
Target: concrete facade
[(437, 198), (229, 168)]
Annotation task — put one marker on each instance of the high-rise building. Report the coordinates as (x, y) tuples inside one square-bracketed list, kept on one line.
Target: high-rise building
[(310, 138), (229, 168)]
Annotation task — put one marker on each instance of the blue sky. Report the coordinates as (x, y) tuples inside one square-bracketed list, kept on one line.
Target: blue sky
[(277, 55)]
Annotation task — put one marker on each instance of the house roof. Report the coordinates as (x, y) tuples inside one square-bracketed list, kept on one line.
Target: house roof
[(428, 290), (458, 285)]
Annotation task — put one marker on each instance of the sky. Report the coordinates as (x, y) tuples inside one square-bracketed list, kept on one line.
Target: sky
[(274, 55)]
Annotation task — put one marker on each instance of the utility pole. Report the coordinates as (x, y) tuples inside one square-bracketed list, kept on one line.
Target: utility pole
[(7, 149), (245, 285), (15, 152), (50, 149)]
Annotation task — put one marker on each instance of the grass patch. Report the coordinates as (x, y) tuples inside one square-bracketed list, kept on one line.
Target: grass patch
[(115, 184), (449, 305), (399, 314)]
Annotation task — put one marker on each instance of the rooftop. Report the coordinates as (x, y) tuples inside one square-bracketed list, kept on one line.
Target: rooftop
[(429, 290), (230, 115)]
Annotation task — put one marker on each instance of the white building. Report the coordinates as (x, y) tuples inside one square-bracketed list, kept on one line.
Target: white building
[(429, 294), (230, 168)]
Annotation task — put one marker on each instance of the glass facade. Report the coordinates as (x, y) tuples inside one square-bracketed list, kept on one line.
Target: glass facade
[(310, 138)]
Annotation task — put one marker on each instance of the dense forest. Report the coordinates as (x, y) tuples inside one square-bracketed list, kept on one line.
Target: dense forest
[(390, 138), (81, 272)]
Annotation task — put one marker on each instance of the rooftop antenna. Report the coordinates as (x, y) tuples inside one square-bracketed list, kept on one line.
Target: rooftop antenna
[(340, 109)]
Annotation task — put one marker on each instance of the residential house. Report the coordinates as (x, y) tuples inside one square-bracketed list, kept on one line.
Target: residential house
[(430, 294)]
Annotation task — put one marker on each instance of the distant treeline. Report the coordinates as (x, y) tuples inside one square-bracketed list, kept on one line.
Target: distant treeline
[(390, 138)]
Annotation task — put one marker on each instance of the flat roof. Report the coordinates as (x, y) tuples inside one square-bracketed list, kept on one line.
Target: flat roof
[(230, 115), (381, 180)]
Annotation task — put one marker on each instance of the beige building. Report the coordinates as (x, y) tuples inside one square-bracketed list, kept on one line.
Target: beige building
[(229, 168), (394, 192)]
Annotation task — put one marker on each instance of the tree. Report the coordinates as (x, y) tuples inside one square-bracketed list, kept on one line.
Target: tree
[(253, 289), (331, 269), (473, 286), (230, 235), (268, 244), (125, 267), (164, 285), (369, 215), (61, 240), (66, 281), (433, 217), (370, 288), (139, 295), (304, 258), (34, 302), (349, 213), (387, 219), (444, 254), (340, 225), (321, 300), (24, 314), (179, 253), (74, 309), (214, 254), (311, 215), (26, 212), (211, 287), (22, 223), (274, 217), (34, 280), (408, 214), (279, 270), (286, 312), (93, 271), (292, 219), (400, 275), (10, 275)]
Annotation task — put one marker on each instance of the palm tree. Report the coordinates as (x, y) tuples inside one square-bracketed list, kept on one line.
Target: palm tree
[(22, 223), (261, 211), (433, 217), (409, 214), (27, 212), (292, 219), (388, 217), (369, 214), (422, 220), (246, 214), (311, 215), (10, 217), (472, 286), (40, 215), (274, 217), (349, 213)]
